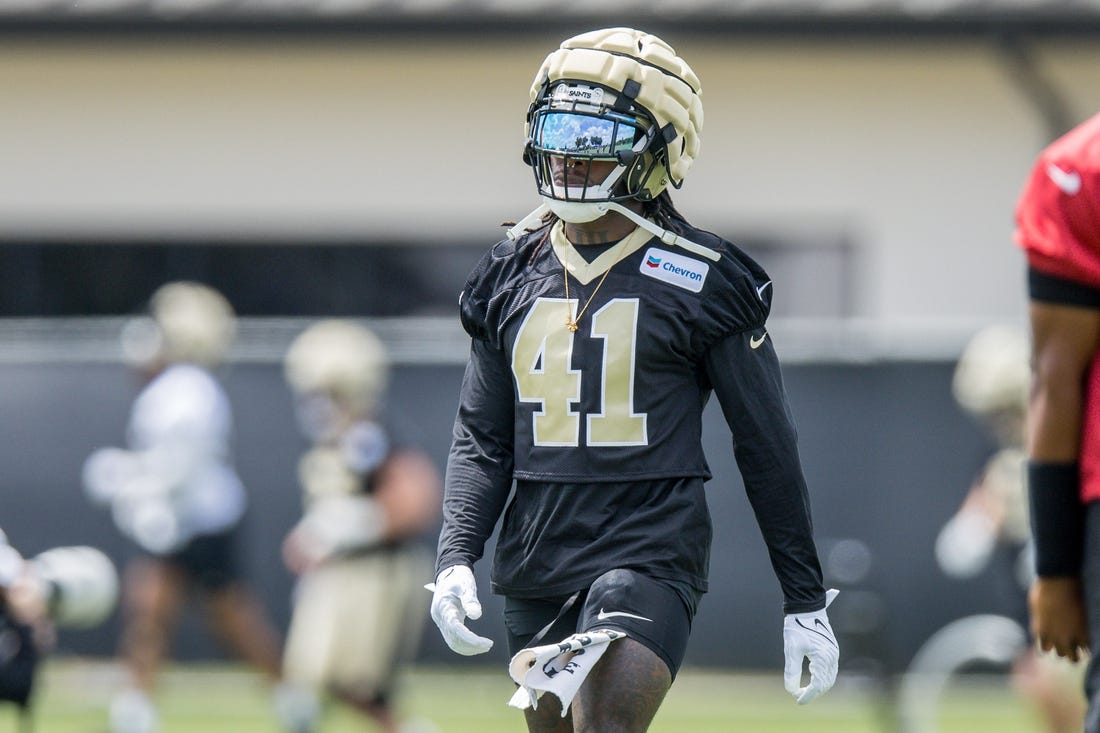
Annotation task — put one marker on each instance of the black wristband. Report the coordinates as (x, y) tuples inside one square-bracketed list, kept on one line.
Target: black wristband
[(1057, 518)]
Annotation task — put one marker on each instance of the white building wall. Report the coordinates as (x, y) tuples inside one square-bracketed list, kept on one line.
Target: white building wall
[(912, 151)]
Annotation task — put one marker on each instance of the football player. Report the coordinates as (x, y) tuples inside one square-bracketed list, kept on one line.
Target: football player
[(1058, 226), (174, 492), (599, 328), (991, 528), (990, 382), (369, 502), (68, 587)]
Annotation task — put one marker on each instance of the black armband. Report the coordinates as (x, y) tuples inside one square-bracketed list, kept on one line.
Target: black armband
[(1057, 518), (1060, 290)]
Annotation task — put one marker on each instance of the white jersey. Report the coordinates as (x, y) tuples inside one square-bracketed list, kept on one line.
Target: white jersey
[(181, 425)]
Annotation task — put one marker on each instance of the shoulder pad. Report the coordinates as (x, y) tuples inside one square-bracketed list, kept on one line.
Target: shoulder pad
[(493, 274), (738, 292)]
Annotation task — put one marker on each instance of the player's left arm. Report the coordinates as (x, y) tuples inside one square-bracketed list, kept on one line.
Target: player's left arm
[(404, 503), (410, 490), (744, 370), (749, 387)]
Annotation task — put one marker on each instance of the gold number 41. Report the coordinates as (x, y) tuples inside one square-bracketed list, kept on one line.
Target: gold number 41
[(541, 364)]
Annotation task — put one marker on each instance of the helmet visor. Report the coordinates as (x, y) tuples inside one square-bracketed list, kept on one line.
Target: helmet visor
[(580, 135)]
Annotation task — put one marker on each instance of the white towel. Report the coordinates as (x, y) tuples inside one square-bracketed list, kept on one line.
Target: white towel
[(557, 668)]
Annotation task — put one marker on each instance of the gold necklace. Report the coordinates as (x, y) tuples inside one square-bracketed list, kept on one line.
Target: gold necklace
[(571, 323)]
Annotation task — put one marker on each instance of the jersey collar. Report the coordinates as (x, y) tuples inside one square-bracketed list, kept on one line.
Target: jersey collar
[(585, 272)]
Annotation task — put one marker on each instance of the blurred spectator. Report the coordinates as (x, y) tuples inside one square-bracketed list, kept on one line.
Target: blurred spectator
[(990, 529), (71, 587), (174, 492), (359, 548)]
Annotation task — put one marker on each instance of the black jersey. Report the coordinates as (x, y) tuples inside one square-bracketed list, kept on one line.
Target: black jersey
[(621, 397), (601, 426)]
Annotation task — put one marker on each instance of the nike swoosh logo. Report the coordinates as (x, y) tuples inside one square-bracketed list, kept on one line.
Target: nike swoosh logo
[(604, 615), (1070, 183), (754, 343), (817, 622), (760, 290)]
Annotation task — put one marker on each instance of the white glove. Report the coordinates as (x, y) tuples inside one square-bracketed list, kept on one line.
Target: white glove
[(106, 471), (810, 635), (455, 599)]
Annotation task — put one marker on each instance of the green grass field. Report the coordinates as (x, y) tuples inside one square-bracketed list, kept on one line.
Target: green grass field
[(471, 699)]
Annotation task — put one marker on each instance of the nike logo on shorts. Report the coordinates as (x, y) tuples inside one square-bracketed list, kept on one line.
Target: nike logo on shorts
[(604, 615)]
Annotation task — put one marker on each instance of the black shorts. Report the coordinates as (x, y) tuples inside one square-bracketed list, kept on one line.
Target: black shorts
[(649, 611), (209, 560)]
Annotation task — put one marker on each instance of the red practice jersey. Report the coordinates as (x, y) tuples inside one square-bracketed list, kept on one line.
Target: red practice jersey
[(1058, 226), (1058, 215)]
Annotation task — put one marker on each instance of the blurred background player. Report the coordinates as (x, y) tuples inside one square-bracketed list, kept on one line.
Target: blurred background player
[(174, 492), (66, 587), (359, 548), (991, 529), (1058, 226)]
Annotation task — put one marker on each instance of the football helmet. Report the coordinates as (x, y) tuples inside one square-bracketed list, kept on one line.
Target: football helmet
[(187, 322), (83, 585), (617, 95), (339, 360), (993, 374)]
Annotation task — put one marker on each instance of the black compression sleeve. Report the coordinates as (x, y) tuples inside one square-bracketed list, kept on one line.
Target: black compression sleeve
[(479, 467), (750, 390), (1057, 518)]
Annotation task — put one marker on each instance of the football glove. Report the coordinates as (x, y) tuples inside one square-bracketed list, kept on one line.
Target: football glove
[(809, 635), (455, 600)]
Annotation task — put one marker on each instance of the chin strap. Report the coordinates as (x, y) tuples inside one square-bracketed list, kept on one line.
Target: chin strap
[(532, 220), (665, 235), (528, 222)]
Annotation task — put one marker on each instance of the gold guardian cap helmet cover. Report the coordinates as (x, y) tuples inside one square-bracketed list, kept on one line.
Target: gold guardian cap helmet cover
[(619, 95)]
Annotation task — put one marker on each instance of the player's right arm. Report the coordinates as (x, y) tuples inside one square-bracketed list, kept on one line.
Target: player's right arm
[(476, 487), (479, 467), (1065, 341)]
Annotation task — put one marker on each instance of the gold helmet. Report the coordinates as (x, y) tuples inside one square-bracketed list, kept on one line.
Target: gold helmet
[(619, 95), (341, 360), (187, 322), (993, 374)]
